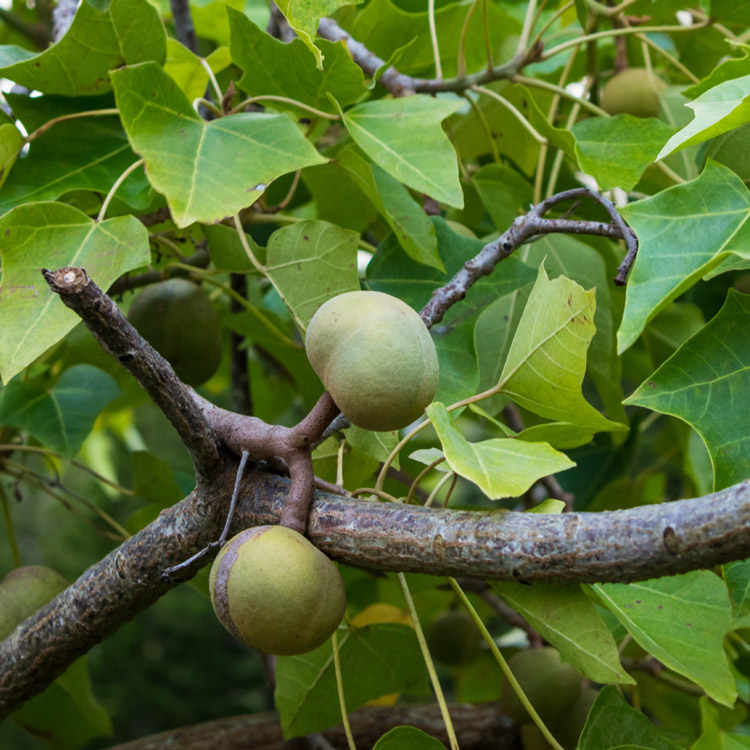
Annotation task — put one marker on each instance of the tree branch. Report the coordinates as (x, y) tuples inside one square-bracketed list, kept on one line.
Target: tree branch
[(615, 546), (155, 375), (480, 727)]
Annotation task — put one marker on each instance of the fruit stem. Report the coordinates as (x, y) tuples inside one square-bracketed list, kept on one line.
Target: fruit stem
[(430, 664), (340, 689), (504, 665)]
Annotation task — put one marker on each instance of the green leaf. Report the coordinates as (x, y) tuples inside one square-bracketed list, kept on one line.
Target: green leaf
[(385, 27), (718, 110), (184, 67), (683, 233), (227, 252), (153, 479), (612, 723), (558, 137), (565, 617), (375, 660), (732, 68), (11, 141), (206, 170), (617, 150), (702, 383), (288, 70), (560, 435), (126, 32), (87, 153), (411, 225), (404, 137), (682, 621), (500, 467), (407, 738), (61, 417), (737, 577), (378, 445), (503, 192), (304, 17), (66, 713), (547, 359), (309, 263), (53, 235)]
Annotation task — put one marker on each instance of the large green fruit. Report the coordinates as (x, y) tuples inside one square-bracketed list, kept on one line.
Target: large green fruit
[(274, 590), (453, 638), (23, 591), (566, 729), (179, 320), (375, 356), (632, 92), (550, 684)]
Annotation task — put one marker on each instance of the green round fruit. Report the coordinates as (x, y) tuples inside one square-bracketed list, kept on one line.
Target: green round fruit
[(453, 638), (275, 591), (179, 320), (632, 92), (23, 591), (375, 356), (550, 684), (566, 729)]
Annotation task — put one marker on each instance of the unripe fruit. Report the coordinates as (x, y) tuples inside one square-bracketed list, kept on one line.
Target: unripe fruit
[(375, 356), (275, 591), (632, 92), (566, 729), (453, 638), (179, 320), (551, 685), (23, 591)]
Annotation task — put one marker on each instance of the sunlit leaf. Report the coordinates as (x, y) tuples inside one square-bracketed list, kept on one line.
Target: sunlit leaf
[(407, 738), (500, 467), (547, 359), (304, 17), (206, 170), (53, 235), (404, 137), (718, 110)]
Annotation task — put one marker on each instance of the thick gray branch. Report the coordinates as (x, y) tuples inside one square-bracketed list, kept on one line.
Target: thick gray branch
[(627, 545)]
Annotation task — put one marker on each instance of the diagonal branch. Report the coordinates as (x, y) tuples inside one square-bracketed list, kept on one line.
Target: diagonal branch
[(155, 375)]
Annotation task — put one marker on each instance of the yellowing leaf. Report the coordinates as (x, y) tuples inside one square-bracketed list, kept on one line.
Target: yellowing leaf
[(501, 467), (547, 359)]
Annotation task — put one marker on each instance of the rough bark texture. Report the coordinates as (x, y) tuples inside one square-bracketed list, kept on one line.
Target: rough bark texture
[(479, 727), (626, 545)]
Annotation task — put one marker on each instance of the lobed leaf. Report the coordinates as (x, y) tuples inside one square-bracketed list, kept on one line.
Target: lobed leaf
[(682, 621), (99, 40), (206, 170), (54, 235), (500, 467), (706, 383)]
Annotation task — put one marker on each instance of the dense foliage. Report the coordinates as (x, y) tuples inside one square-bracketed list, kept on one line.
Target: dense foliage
[(271, 159)]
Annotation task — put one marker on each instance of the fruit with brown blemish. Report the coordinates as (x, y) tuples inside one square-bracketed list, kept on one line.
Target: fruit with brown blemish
[(375, 356), (275, 591)]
